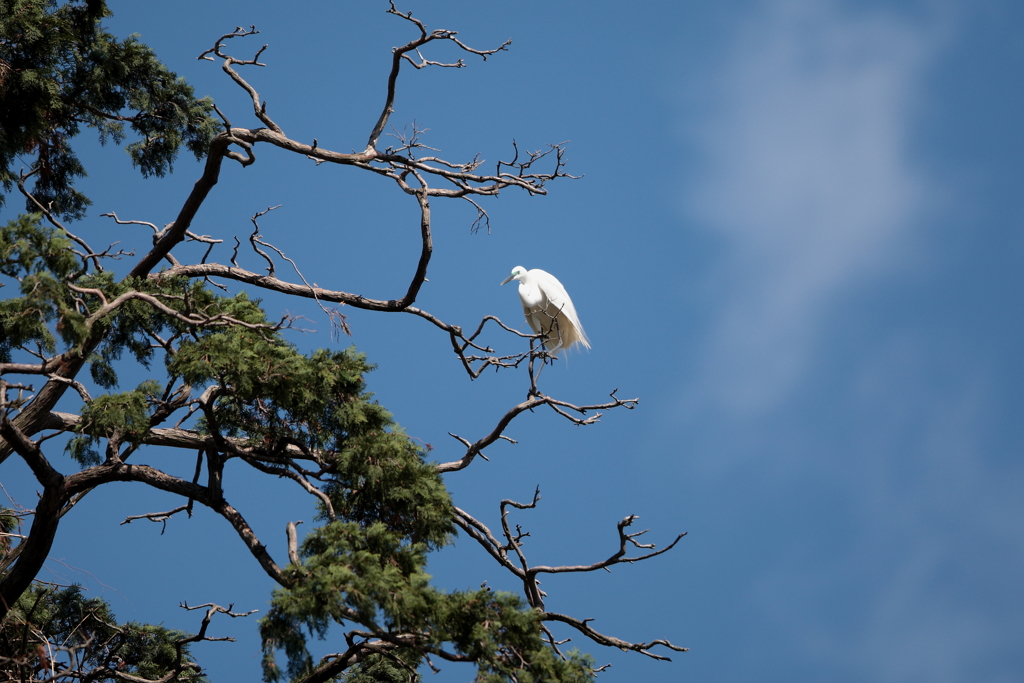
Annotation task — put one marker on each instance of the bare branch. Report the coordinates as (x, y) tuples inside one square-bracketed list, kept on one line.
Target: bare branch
[(158, 233), (297, 478), (209, 496), (219, 320), (337, 319), (611, 641), (293, 544), (215, 609), (152, 226), (46, 367), (400, 53), (260, 109), (159, 516), (514, 543), (534, 401), (493, 436), (290, 288), (254, 238), (618, 557), (76, 385), (479, 532), (175, 232)]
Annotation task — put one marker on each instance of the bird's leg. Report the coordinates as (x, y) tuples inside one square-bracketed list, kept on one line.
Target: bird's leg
[(543, 362)]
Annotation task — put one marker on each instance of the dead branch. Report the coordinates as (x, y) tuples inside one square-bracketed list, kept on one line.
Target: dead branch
[(401, 53), (254, 238), (534, 401), (293, 543), (338, 320), (611, 641), (158, 516), (618, 557), (260, 109), (78, 386), (158, 233), (297, 478), (479, 532), (219, 320)]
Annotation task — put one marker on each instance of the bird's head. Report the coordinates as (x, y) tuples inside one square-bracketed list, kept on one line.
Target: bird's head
[(518, 273)]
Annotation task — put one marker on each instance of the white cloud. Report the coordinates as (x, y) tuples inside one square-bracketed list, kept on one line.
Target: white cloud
[(814, 193), (806, 178)]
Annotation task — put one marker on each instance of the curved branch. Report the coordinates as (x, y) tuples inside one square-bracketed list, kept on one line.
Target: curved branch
[(199, 321), (305, 291), (611, 641), (537, 399), (399, 53), (618, 557), (493, 436), (32, 552), (102, 474), (527, 574), (298, 479), (89, 252), (479, 532)]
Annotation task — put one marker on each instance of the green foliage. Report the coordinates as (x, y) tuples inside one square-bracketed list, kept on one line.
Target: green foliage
[(59, 69), (132, 326), (45, 620), (368, 575), (26, 248), (39, 259), (276, 397), (382, 669), (371, 577), (122, 418), (501, 635)]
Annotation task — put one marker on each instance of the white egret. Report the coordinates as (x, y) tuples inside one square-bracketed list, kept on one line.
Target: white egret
[(548, 309)]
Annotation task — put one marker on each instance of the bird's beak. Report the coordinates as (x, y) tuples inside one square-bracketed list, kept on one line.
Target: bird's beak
[(507, 280)]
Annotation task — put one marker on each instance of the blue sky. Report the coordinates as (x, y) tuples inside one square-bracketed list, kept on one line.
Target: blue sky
[(798, 239)]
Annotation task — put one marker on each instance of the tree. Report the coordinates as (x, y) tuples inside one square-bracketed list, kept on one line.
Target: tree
[(59, 71), (234, 387), (56, 633)]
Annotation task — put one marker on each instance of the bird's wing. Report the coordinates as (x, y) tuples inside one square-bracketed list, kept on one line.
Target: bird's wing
[(559, 303)]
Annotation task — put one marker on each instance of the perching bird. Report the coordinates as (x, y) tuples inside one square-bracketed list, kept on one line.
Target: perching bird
[(548, 309)]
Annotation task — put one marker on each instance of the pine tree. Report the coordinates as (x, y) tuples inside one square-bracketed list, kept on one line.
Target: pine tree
[(60, 71), (223, 373)]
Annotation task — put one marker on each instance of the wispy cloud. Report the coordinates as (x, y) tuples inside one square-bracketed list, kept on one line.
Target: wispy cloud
[(811, 187), (807, 181)]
